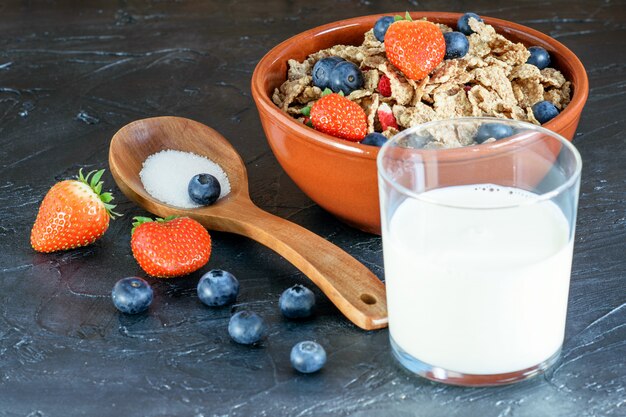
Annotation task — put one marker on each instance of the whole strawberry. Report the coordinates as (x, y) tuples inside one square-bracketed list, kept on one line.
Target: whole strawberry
[(415, 48), (337, 116), (73, 213), (170, 247)]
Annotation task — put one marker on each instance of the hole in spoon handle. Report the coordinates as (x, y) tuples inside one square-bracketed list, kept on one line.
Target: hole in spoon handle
[(368, 299)]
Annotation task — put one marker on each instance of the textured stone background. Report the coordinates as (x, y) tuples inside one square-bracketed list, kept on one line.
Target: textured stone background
[(71, 74)]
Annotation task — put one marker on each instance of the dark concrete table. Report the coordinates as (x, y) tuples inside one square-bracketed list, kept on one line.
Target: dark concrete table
[(71, 75)]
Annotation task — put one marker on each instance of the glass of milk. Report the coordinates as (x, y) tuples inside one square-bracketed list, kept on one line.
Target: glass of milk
[(477, 245)]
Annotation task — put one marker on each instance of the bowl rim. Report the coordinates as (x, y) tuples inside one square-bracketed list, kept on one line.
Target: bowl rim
[(265, 103)]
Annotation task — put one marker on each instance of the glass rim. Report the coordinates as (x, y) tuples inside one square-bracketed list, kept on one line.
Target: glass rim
[(548, 195)]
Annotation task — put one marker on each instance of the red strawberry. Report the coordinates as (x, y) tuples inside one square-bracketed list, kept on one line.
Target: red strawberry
[(73, 213), (170, 247), (415, 48), (340, 117), (384, 86), (386, 117)]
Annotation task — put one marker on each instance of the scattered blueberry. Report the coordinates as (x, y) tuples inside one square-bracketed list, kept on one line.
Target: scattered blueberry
[(132, 295), (374, 139), (297, 302), (544, 111), (463, 23), (308, 357), (204, 189), (493, 130), (457, 45), (322, 69), (217, 288), (246, 327), (346, 77), (381, 26), (539, 57)]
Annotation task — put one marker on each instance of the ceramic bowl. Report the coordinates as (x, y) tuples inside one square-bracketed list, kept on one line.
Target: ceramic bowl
[(339, 175)]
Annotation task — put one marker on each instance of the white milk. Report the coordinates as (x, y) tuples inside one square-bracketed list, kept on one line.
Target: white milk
[(478, 291)]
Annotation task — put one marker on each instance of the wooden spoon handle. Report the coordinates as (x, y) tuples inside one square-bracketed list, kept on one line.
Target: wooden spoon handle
[(353, 288)]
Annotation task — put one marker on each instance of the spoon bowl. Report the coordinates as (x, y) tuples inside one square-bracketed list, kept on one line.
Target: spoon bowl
[(353, 288)]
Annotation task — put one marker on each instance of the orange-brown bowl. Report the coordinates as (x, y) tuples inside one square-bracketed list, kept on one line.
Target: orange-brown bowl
[(339, 175)]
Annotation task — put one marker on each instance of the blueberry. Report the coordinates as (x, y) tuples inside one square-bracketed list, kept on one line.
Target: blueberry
[(374, 139), (346, 77), (322, 69), (308, 357), (539, 57), (297, 302), (457, 45), (132, 295), (217, 288), (246, 327), (545, 111), (493, 130), (463, 23), (381, 26), (204, 189)]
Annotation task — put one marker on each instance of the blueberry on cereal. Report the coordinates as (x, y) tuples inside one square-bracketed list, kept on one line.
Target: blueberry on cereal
[(374, 139), (493, 130), (463, 23), (322, 69), (544, 111), (346, 77), (457, 45), (539, 57), (381, 26)]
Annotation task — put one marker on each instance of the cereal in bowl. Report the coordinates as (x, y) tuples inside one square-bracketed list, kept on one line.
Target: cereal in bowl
[(450, 75)]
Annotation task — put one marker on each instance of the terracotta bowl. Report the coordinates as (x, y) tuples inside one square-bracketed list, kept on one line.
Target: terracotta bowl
[(339, 175)]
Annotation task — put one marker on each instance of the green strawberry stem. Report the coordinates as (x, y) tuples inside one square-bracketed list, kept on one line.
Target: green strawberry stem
[(328, 91), (139, 220), (407, 16), (92, 179)]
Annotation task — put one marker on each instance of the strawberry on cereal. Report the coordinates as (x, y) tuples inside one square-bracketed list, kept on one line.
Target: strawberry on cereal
[(340, 117), (410, 72)]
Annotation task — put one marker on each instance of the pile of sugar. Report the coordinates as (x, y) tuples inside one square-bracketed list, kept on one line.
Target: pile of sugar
[(165, 176)]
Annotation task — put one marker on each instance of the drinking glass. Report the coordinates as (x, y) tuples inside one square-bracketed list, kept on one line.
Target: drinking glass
[(477, 244)]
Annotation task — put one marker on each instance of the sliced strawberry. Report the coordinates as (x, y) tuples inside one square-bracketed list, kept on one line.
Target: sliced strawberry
[(386, 117)]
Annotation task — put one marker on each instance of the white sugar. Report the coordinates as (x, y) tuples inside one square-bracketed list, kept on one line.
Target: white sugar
[(165, 176)]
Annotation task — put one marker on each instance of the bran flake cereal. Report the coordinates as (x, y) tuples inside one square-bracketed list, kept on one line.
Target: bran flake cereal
[(493, 79)]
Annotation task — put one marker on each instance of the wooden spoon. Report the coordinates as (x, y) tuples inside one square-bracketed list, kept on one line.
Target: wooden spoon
[(356, 291)]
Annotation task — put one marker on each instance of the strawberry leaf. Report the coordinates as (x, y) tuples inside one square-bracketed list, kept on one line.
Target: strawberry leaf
[(397, 18), (408, 17), (106, 197), (306, 111), (96, 178), (92, 179), (138, 221), (326, 92)]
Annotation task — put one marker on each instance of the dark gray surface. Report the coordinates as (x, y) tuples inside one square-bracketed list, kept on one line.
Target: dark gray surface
[(71, 75)]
